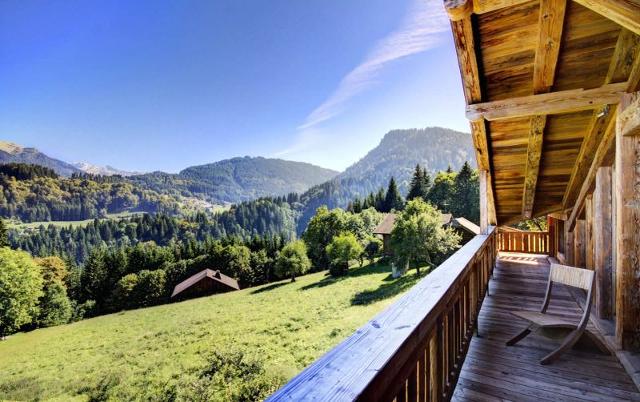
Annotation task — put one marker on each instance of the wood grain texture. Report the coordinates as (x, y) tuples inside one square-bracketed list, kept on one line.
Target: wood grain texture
[(534, 152), (579, 244), (599, 124), (549, 103), (602, 239), (495, 372), (458, 9), (548, 49), (463, 38), (606, 143), (627, 163), (486, 6), (629, 119), (623, 12), (588, 232)]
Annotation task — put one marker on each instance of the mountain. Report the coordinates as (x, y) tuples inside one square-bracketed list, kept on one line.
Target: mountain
[(434, 148), (238, 179), (242, 179), (102, 170), (399, 151), (14, 153)]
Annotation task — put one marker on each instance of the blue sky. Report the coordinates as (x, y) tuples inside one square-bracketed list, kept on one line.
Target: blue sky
[(162, 85)]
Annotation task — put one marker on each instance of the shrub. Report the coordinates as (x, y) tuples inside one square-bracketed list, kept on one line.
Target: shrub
[(55, 306), (342, 249)]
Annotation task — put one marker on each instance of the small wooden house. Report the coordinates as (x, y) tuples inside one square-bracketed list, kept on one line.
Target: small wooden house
[(466, 228), (204, 283)]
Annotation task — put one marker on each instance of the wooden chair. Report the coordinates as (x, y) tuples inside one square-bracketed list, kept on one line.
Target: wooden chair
[(570, 276)]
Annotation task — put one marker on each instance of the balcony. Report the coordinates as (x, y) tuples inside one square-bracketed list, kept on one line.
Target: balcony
[(423, 347)]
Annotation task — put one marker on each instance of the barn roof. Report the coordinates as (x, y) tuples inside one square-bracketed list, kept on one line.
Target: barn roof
[(386, 226), (207, 273), (542, 79)]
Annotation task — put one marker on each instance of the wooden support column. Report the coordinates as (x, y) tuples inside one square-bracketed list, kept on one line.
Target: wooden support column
[(588, 232), (602, 237), (579, 244), (627, 235), (551, 225), (568, 245), (483, 176)]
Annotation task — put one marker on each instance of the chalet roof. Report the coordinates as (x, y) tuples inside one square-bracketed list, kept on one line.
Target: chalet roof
[(386, 226), (466, 224), (542, 80), (207, 273)]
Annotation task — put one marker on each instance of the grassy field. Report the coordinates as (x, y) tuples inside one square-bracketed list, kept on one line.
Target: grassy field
[(221, 347)]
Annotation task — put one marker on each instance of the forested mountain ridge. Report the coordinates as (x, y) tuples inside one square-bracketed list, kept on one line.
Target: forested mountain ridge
[(398, 153), (246, 178), (14, 153)]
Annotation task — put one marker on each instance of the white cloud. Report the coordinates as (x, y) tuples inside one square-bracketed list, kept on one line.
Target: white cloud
[(420, 31)]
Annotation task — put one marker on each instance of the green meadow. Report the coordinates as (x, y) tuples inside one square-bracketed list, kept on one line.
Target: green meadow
[(234, 346)]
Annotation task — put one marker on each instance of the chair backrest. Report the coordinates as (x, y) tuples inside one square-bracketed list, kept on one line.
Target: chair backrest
[(572, 276)]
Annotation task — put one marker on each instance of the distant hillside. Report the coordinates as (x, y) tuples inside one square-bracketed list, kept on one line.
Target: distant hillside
[(238, 179), (434, 148), (102, 170), (14, 153)]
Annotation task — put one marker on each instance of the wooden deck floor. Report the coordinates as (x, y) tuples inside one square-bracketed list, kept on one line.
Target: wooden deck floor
[(495, 372)]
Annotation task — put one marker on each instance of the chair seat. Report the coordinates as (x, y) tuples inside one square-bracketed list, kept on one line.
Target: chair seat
[(544, 320)]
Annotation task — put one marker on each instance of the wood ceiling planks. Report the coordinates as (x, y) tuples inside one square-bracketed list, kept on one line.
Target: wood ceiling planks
[(595, 50)]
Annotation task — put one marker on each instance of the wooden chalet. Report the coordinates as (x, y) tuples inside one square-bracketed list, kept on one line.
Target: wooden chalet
[(204, 283), (552, 98)]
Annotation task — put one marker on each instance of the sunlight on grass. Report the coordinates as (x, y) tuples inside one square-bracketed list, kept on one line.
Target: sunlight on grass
[(148, 353)]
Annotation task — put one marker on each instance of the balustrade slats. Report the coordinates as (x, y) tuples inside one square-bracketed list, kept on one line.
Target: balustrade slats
[(523, 242), (414, 350)]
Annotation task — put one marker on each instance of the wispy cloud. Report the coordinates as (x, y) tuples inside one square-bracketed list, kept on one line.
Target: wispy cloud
[(420, 31)]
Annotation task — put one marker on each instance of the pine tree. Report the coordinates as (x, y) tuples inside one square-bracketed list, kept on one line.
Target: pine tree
[(465, 194), (380, 201), (416, 188), (4, 239), (393, 199), (427, 183)]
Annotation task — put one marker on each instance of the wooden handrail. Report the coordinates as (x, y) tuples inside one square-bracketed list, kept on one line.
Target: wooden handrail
[(413, 350), (523, 242)]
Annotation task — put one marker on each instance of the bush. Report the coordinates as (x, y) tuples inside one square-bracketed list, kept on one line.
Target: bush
[(228, 376), (342, 249), (20, 289)]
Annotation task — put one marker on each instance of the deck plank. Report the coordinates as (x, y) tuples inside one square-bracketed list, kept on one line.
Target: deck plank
[(496, 372)]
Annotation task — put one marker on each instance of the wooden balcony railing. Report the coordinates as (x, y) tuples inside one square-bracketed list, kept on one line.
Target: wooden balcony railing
[(412, 351), (523, 242)]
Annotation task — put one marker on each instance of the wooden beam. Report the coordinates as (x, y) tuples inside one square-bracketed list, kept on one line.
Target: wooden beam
[(599, 124), (606, 142), (579, 244), (625, 59), (627, 212), (480, 142), (534, 152), (629, 119), (561, 216), (486, 6), (462, 30), (550, 25), (624, 12), (550, 103), (458, 9), (588, 232), (568, 245), (483, 176), (602, 236)]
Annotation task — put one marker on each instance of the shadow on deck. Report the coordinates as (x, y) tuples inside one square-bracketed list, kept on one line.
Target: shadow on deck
[(493, 371)]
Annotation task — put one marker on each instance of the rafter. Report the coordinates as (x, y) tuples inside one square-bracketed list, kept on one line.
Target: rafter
[(624, 12), (607, 134), (534, 152), (550, 103), (551, 21), (550, 24)]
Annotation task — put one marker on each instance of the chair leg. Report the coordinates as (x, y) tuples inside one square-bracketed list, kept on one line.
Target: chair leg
[(568, 342), (519, 337)]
